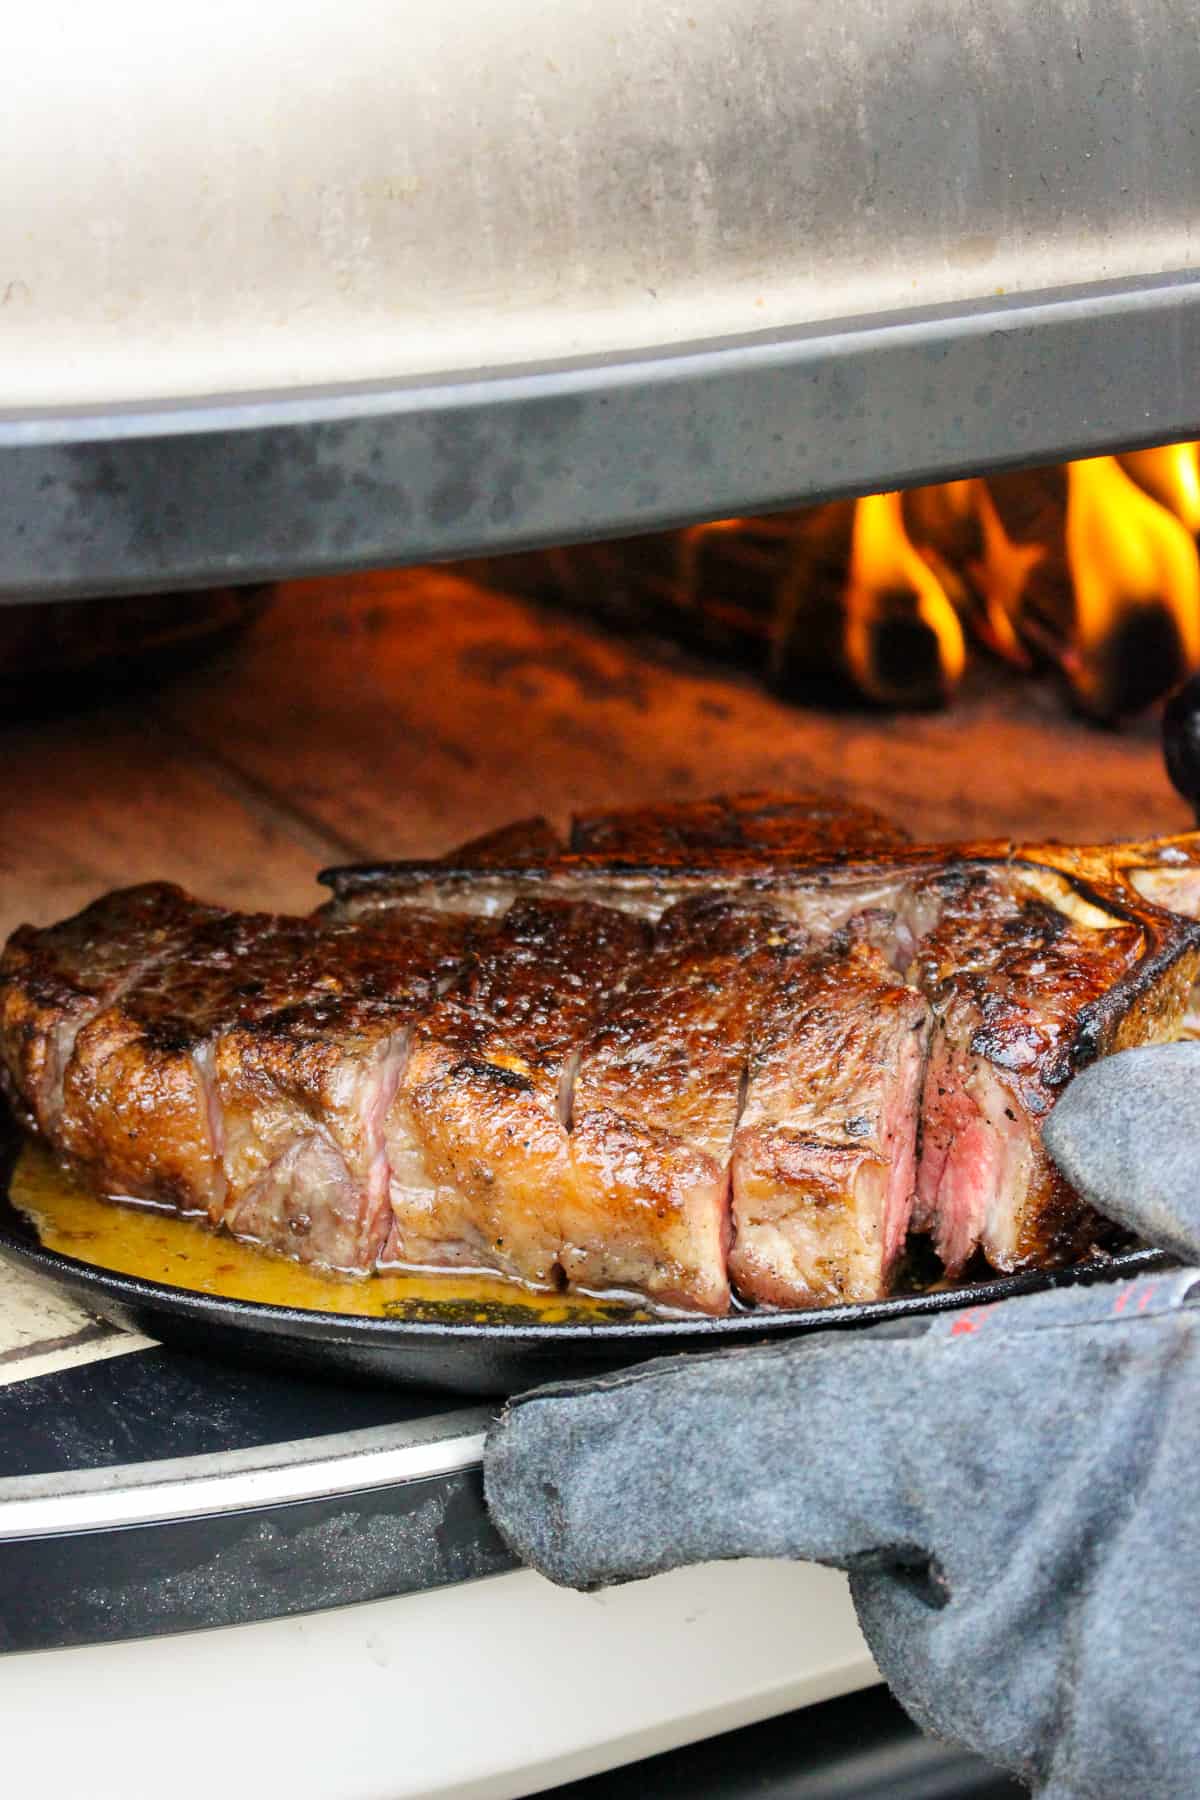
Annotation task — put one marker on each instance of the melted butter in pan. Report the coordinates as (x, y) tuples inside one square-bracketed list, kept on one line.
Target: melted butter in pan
[(158, 1246)]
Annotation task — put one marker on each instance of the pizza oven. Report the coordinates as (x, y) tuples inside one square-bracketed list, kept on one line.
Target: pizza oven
[(801, 381), (413, 423)]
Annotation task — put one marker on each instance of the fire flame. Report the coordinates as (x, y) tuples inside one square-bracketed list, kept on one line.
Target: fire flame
[(1101, 577), (983, 570), (1001, 575), (1172, 475), (902, 635), (1136, 578), (1090, 568)]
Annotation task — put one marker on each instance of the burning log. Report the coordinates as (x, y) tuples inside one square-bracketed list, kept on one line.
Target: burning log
[(903, 640), (833, 601), (960, 534), (1090, 568)]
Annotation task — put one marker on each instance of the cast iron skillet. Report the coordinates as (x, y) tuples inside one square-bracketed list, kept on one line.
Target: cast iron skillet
[(498, 1356)]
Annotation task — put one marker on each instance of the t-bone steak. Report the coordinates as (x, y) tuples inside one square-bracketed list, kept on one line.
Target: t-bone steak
[(738, 1048)]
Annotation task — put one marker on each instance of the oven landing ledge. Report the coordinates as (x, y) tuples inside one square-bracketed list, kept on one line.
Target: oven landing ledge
[(495, 1688), (308, 1573)]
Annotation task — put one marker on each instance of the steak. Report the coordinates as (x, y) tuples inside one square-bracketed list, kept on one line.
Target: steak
[(238, 1066), (824, 1159), (659, 1088), (481, 1164), (1014, 985), (739, 1040)]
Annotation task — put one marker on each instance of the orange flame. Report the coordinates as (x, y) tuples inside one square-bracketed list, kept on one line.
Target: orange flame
[(944, 510), (1001, 576), (1172, 475), (903, 638), (1135, 569), (981, 568)]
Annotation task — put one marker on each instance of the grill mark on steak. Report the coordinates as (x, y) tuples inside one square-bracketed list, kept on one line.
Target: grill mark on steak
[(824, 1159)]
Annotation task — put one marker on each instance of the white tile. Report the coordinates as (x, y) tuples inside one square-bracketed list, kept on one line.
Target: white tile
[(33, 1312), (43, 1330)]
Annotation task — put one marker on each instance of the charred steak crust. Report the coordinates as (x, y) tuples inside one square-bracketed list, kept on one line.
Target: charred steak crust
[(481, 1153), (619, 854), (54, 982), (689, 1046)]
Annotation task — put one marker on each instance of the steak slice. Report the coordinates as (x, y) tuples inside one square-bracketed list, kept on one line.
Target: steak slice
[(53, 982), (658, 1093), (306, 1080), (568, 1064), (240, 1068), (481, 1168), (824, 1160), (1024, 991), (140, 1112)]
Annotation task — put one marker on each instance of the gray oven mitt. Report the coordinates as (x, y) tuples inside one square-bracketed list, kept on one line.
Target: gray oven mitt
[(1013, 1488)]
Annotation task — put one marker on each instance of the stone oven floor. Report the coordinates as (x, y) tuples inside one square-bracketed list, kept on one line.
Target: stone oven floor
[(398, 713)]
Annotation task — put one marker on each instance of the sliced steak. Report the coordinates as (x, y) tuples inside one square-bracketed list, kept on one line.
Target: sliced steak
[(658, 1093), (1024, 992), (306, 1079), (54, 981), (824, 1160), (241, 1070), (566, 1065), (481, 1169)]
